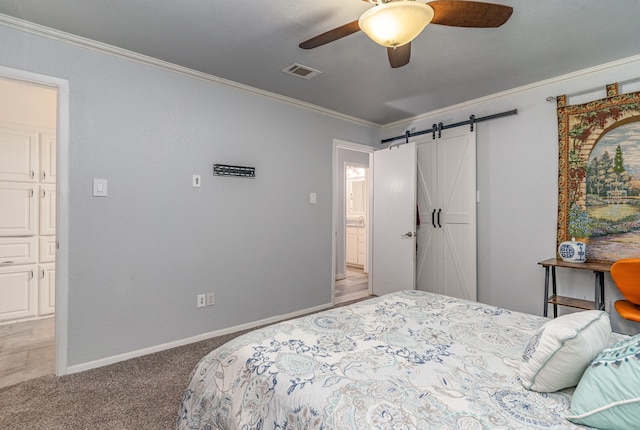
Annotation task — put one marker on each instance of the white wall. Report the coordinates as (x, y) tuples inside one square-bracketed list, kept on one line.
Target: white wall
[(139, 257), (517, 160)]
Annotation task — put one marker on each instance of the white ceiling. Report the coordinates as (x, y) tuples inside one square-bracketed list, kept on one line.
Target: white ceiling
[(250, 42)]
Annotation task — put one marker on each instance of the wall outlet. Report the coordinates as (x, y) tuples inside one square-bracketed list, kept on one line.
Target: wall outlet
[(210, 299), (202, 300)]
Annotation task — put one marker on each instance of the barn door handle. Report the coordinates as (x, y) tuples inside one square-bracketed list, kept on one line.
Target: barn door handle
[(433, 218), (439, 210)]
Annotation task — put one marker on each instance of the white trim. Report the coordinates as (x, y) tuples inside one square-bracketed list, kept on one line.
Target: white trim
[(512, 91), (19, 126), (334, 217), (186, 341), (62, 206), (61, 36), (337, 143)]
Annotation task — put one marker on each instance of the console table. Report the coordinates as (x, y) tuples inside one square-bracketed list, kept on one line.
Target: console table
[(598, 269)]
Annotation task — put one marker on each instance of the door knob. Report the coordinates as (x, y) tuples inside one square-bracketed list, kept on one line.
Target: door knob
[(407, 234)]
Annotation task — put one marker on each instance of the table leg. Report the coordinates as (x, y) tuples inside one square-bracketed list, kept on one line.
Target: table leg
[(554, 291), (546, 290), (602, 299), (599, 293), (596, 293)]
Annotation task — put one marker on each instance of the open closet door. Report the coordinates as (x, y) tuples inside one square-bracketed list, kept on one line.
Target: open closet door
[(394, 219)]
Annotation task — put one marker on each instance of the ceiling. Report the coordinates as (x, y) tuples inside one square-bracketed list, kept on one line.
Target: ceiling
[(251, 42)]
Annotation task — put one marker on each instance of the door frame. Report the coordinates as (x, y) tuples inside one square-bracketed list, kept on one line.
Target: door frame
[(62, 205), (337, 172)]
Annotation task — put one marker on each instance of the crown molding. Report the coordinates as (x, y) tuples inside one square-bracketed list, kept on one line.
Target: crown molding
[(104, 48), (547, 82)]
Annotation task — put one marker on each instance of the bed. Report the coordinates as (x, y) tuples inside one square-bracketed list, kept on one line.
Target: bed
[(407, 360)]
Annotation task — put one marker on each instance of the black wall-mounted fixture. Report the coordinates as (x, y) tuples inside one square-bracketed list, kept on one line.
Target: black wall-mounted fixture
[(234, 171)]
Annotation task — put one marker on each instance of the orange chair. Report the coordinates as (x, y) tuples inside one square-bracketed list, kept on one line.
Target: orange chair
[(626, 275)]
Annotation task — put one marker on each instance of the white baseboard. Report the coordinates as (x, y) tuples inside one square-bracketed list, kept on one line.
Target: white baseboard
[(150, 350)]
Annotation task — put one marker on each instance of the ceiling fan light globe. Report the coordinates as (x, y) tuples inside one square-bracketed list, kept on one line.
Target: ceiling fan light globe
[(396, 23)]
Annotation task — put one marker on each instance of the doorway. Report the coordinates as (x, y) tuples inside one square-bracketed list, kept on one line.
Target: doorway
[(27, 229), (36, 133), (355, 285), (351, 223)]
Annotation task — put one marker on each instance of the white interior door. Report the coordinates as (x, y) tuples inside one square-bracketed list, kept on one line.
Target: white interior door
[(394, 219)]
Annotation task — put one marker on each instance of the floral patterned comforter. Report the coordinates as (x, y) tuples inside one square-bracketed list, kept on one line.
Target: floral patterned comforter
[(408, 360)]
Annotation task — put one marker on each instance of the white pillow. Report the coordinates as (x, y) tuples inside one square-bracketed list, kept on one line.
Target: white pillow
[(561, 350)]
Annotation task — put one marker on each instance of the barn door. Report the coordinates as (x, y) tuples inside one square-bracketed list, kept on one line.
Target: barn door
[(447, 201)]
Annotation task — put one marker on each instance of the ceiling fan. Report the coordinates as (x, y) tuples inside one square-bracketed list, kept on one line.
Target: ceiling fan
[(395, 23)]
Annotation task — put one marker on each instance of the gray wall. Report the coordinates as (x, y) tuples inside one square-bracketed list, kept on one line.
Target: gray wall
[(517, 171), (139, 257)]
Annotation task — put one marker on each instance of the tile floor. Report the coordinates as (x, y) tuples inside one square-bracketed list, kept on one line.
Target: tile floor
[(26, 351), (354, 286)]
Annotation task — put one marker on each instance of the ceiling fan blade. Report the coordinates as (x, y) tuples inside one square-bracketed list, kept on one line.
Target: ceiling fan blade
[(399, 56), (331, 35), (477, 14)]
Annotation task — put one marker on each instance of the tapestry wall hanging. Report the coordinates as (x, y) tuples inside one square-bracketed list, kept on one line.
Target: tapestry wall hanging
[(599, 175)]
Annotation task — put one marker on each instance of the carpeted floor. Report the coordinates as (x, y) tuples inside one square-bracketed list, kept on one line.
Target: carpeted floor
[(141, 393)]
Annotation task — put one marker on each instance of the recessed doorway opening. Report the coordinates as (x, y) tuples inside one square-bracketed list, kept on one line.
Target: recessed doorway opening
[(352, 244)]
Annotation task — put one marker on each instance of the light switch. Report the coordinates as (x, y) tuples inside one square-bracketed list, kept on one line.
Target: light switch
[(100, 188), (195, 182), (312, 199)]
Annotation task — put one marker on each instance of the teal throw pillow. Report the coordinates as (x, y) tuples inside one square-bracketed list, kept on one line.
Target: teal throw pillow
[(608, 395)]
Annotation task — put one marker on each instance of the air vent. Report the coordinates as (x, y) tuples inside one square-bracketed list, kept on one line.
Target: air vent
[(301, 71)]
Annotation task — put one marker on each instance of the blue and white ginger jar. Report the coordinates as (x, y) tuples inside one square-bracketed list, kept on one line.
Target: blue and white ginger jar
[(573, 251)]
